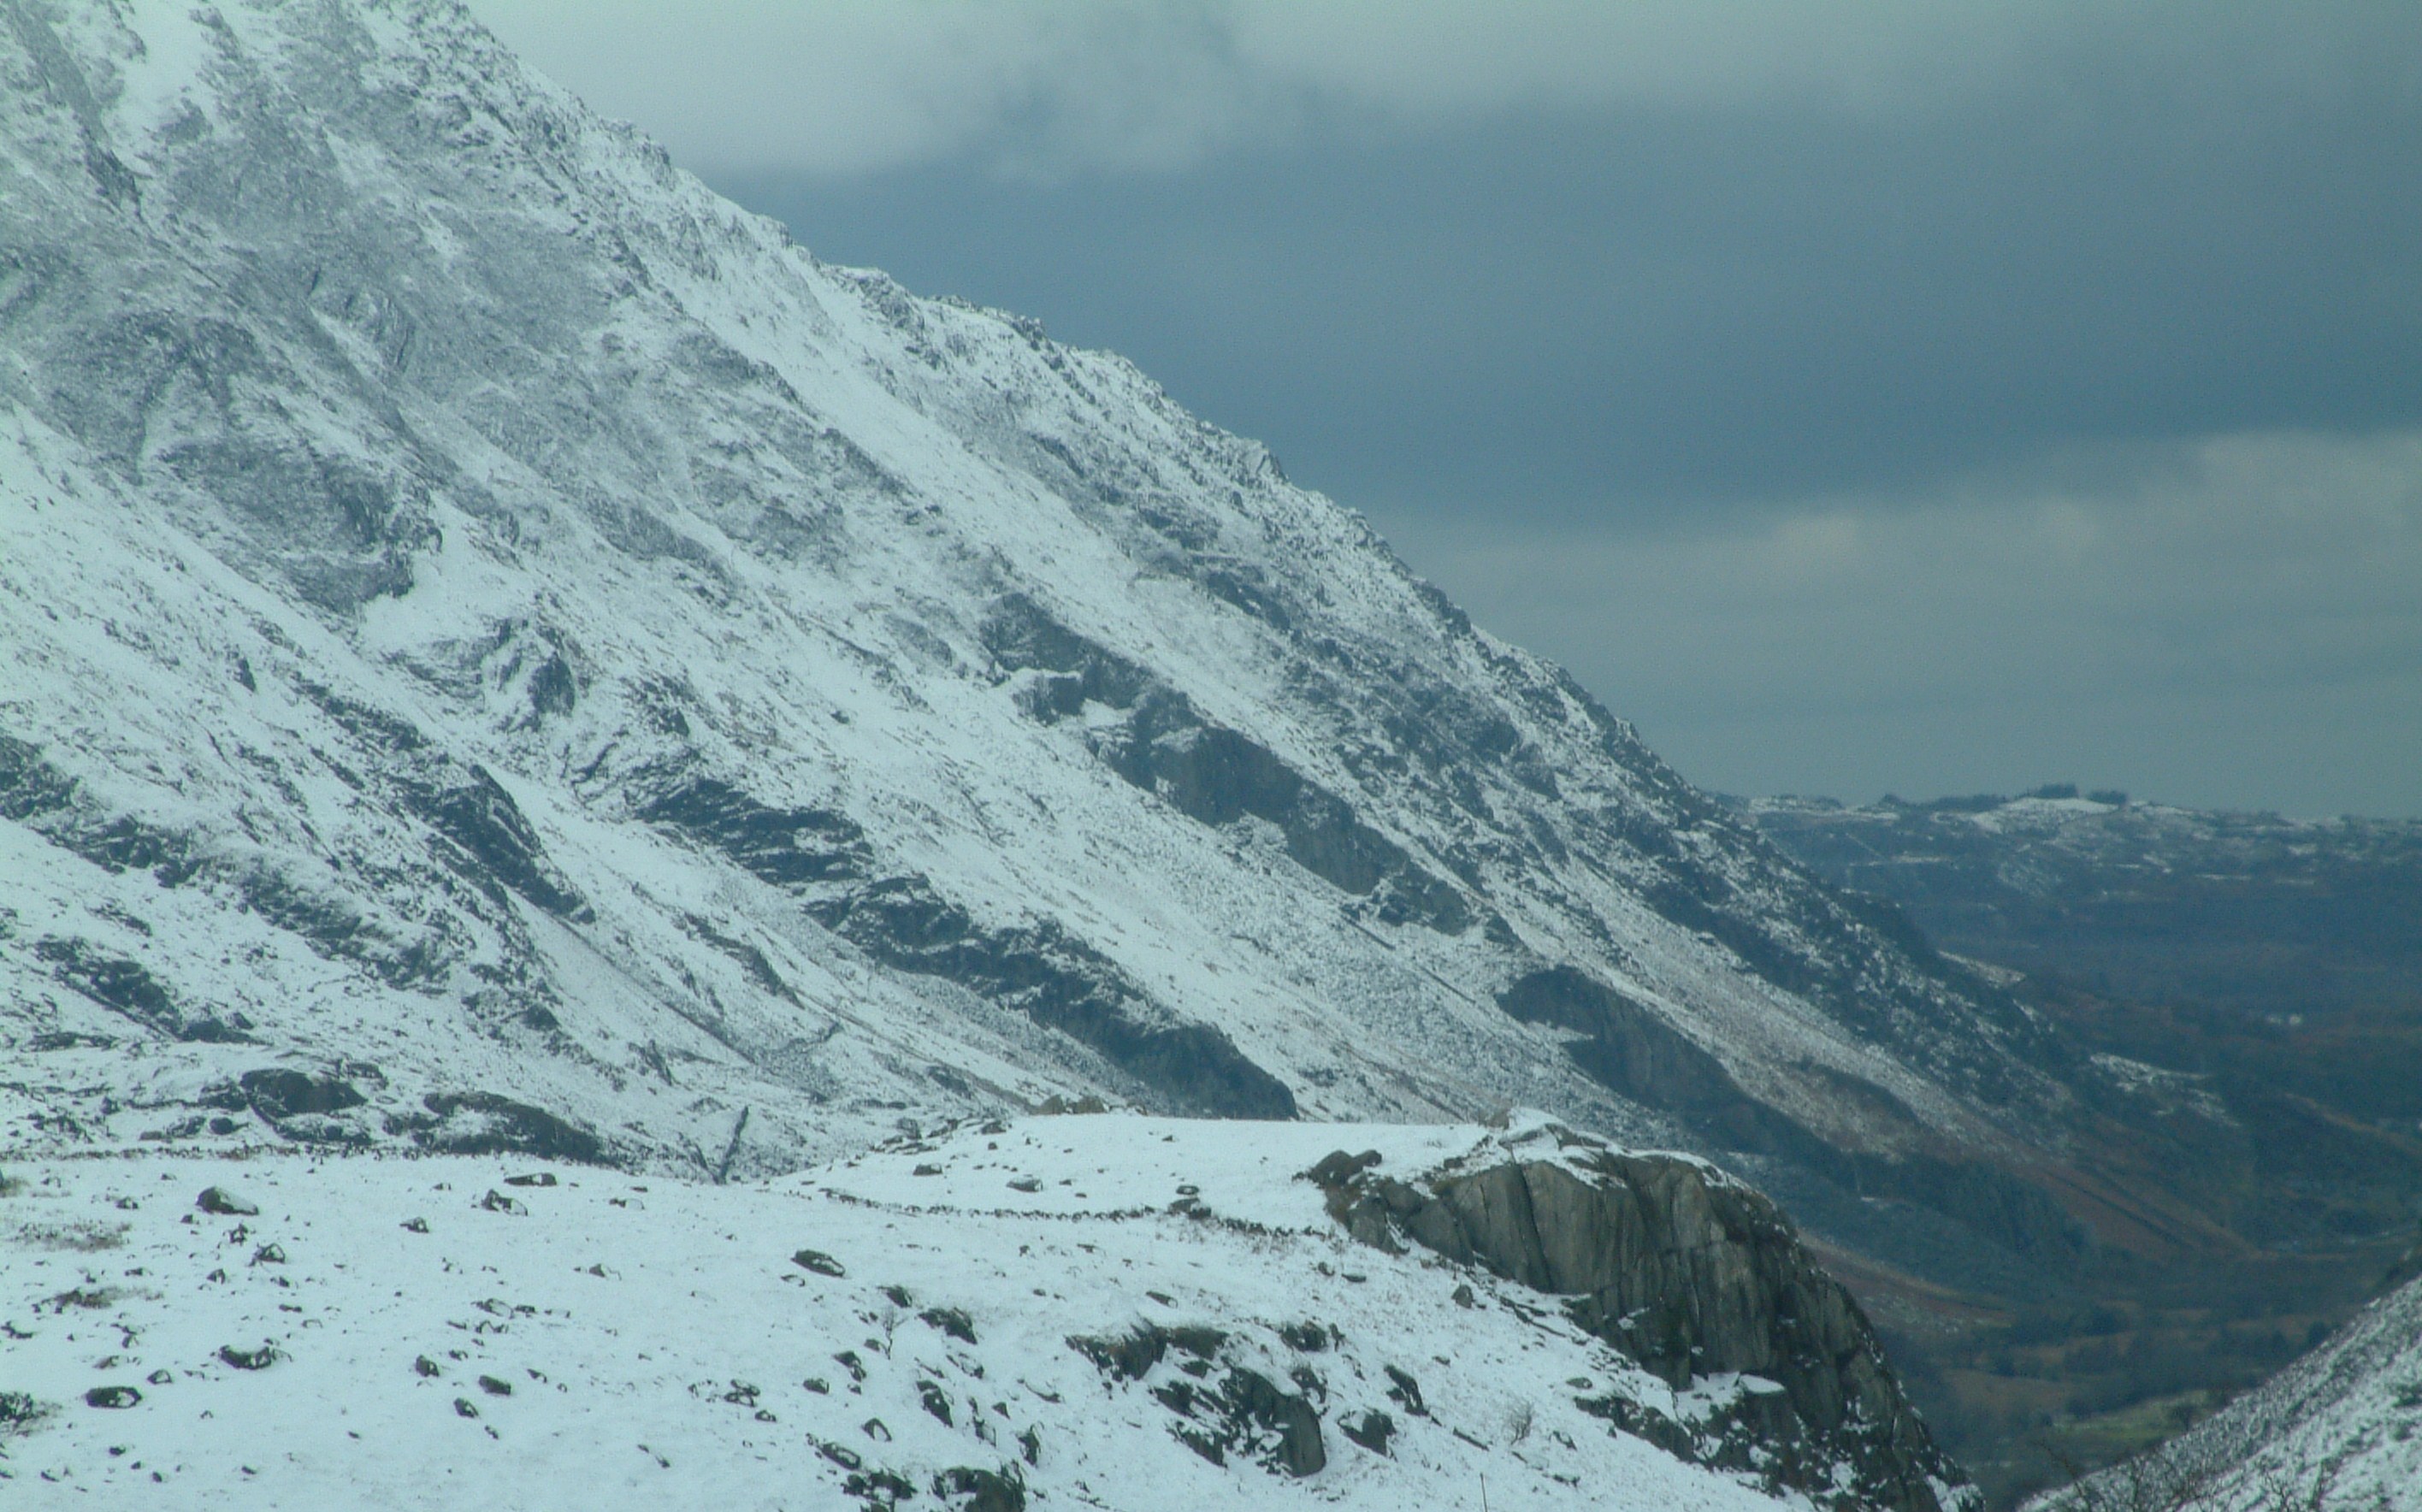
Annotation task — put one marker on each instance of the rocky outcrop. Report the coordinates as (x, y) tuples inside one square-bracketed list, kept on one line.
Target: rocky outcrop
[(1692, 1275), (1242, 1412), (1213, 774)]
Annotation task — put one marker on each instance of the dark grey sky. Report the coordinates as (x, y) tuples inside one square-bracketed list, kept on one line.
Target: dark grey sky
[(2033, 395)]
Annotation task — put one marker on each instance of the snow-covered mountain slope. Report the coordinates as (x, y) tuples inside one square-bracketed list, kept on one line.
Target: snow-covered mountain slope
[(2341, 1427), (505, 649), (1105, 1312)]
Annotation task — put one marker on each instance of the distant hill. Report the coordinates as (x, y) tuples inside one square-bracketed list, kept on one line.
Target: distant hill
[(2274, 919)]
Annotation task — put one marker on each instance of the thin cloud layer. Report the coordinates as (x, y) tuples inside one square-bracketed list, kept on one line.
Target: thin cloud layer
[(1058, 86), (2238, 625)]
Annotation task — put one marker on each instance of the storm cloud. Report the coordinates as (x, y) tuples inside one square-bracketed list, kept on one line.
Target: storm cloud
[(1958, 397)]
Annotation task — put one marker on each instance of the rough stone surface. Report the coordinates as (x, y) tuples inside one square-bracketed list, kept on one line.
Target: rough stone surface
[(1691, 1274)]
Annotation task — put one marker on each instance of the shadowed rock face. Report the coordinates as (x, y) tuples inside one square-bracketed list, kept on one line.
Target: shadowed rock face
[(1213, 774), (1691, 1275)]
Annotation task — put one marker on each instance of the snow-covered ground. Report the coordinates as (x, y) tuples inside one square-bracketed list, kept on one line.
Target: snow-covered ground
[(391, 1331)]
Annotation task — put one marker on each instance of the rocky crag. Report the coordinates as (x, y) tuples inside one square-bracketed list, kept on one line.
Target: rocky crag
[(1691, 1275)]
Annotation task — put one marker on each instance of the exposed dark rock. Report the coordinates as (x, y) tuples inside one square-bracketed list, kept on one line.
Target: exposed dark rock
[(333, 927), (1372, 1429), (224, 1203), (1212, 774), (1039, 971), (1131, 1356), (37, 794), (879, 1488), (951, 1321), (1689, 1274), (66, 1039), (842, 1455), (986, 1491), (261, 1359), (1307, 1338), (553, 690), (482, 1122), (751, 959), (1337, 1168), (281, 1093), (1021, 634), (1245, 1412), (113, 1396), (113, 982), (1636, 1053), (783, 846), (501, 849), (1251, 1397), (819, 1262), (1062, 983), (30, 786)]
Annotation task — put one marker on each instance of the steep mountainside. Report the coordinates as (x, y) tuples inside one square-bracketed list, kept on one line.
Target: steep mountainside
[(2341, 1427), (508, 651)]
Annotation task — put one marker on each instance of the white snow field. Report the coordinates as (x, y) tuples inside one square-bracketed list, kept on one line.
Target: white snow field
[(443, 1331)]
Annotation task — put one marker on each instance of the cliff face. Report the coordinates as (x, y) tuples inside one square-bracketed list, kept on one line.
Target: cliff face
[(1692, 1276)]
